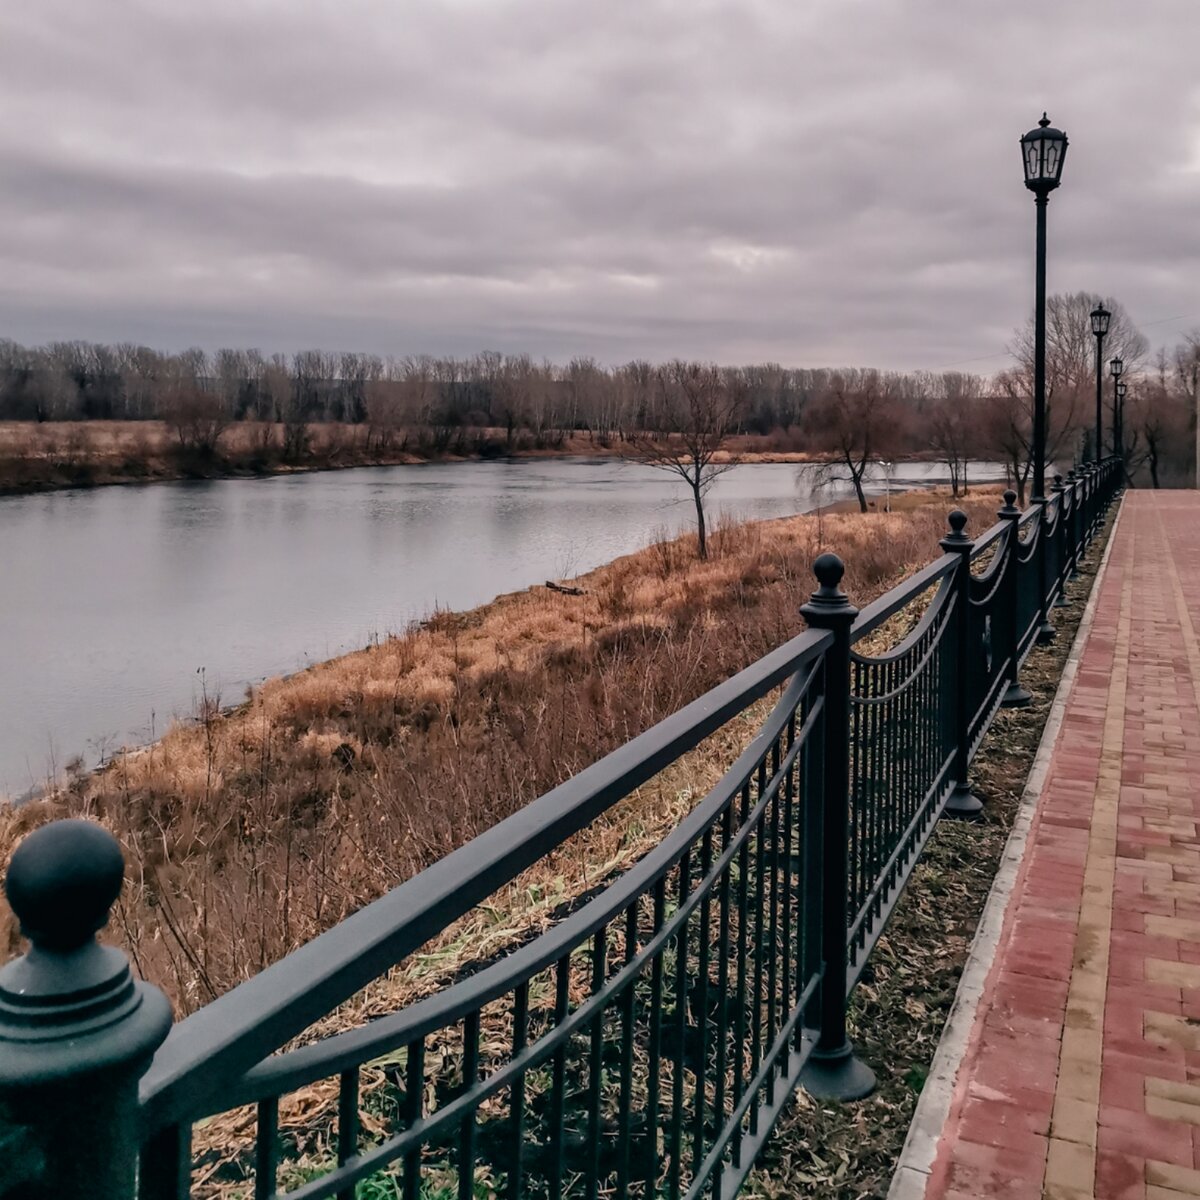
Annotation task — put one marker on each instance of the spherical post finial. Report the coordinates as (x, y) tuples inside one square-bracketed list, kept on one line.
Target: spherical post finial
[(828, 600), (62, 881), (829, 570), (1010, 505), (957, 519)]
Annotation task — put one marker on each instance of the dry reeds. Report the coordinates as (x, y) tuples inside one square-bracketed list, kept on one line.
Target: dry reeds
[(250, 832)]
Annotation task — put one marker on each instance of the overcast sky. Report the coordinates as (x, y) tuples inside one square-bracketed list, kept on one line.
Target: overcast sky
[(816, 182)]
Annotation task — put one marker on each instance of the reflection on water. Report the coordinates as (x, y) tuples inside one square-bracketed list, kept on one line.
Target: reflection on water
[(119, 604)]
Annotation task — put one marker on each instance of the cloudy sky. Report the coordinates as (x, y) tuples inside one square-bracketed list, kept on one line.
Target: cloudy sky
[(809, 181)]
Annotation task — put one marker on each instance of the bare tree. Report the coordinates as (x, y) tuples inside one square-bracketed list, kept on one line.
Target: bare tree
[(195, 418), (1071, 357), (857, 421), (700, 411), (954, 418)]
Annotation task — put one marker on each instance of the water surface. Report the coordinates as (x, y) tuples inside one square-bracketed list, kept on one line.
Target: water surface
[(121, 605)]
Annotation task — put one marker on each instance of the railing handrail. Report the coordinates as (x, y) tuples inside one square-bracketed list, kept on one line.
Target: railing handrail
[(221, 1041), (904, 593), (297, 1068)]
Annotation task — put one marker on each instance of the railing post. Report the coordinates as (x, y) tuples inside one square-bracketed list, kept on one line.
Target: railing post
[(1015, 696), (962, 802), (833, 1071), (1085, 536), (77, 1031), (1075, 529), (1063, 533), (1045, 629)]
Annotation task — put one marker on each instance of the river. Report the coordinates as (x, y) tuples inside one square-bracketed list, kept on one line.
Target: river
[(121, 606)]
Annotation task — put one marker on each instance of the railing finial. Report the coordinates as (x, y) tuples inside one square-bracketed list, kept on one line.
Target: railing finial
[(1010, 505), (957, 520), (77, 1031), (829, 570), (62, 881)]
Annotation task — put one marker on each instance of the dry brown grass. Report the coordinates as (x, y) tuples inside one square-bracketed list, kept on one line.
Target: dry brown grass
[(250, 832)]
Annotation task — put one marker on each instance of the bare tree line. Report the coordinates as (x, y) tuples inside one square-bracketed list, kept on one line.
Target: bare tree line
[(496, 403)]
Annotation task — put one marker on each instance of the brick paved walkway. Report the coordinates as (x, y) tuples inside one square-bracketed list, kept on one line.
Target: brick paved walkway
[(1082, 1075)]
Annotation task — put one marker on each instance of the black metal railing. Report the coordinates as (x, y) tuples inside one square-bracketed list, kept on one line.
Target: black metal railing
[(646, 1042)]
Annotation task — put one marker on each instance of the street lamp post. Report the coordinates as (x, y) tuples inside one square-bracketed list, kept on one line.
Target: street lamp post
[(1043, 151), (1100, 318), (1116, 369), (1121, 388)]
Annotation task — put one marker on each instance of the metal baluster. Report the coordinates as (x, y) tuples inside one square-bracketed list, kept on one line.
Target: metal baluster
[(857, 828), (347, 1146), (789, 851), (773, 920), (760, 881), (266, 1149), (703, 949), (414, 1108), (466, 1144), (558, 1078), (166, 1167), (596, 1064), (627, 1035), (654, 1017), (723, 973), (677, 1114), (739, 1037), (516, 1168), (808, 890)]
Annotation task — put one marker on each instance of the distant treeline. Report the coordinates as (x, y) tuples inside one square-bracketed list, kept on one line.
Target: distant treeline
[(72, 381), (425, 404)]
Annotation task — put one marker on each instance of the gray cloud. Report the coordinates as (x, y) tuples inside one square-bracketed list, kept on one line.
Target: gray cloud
[(834, 181)]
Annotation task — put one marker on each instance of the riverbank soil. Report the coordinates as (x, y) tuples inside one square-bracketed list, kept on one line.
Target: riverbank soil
[(37, 457)]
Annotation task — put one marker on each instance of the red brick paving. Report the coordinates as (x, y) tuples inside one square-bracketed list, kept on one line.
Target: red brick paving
[(1082, 1074)]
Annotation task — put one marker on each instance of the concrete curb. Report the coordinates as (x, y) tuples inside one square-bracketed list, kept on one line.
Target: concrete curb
[(933, 1107)]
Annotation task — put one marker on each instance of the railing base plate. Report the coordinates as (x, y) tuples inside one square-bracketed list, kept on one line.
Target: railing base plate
[(1045, 633), (837, 1075), (1015, 697), (962, 803)]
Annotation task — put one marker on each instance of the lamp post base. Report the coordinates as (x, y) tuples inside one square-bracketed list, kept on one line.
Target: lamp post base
[(963, 803), (1015, 697), (837, 1075)]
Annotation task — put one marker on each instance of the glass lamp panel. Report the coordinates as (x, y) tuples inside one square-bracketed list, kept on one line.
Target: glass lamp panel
[(1051, 158), (1033, 159)]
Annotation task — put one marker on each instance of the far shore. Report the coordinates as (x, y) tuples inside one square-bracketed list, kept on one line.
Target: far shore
[(57, 456)]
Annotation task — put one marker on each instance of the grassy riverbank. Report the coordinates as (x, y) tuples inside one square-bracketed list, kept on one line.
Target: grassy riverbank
[(73, 454), (249, 832)]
